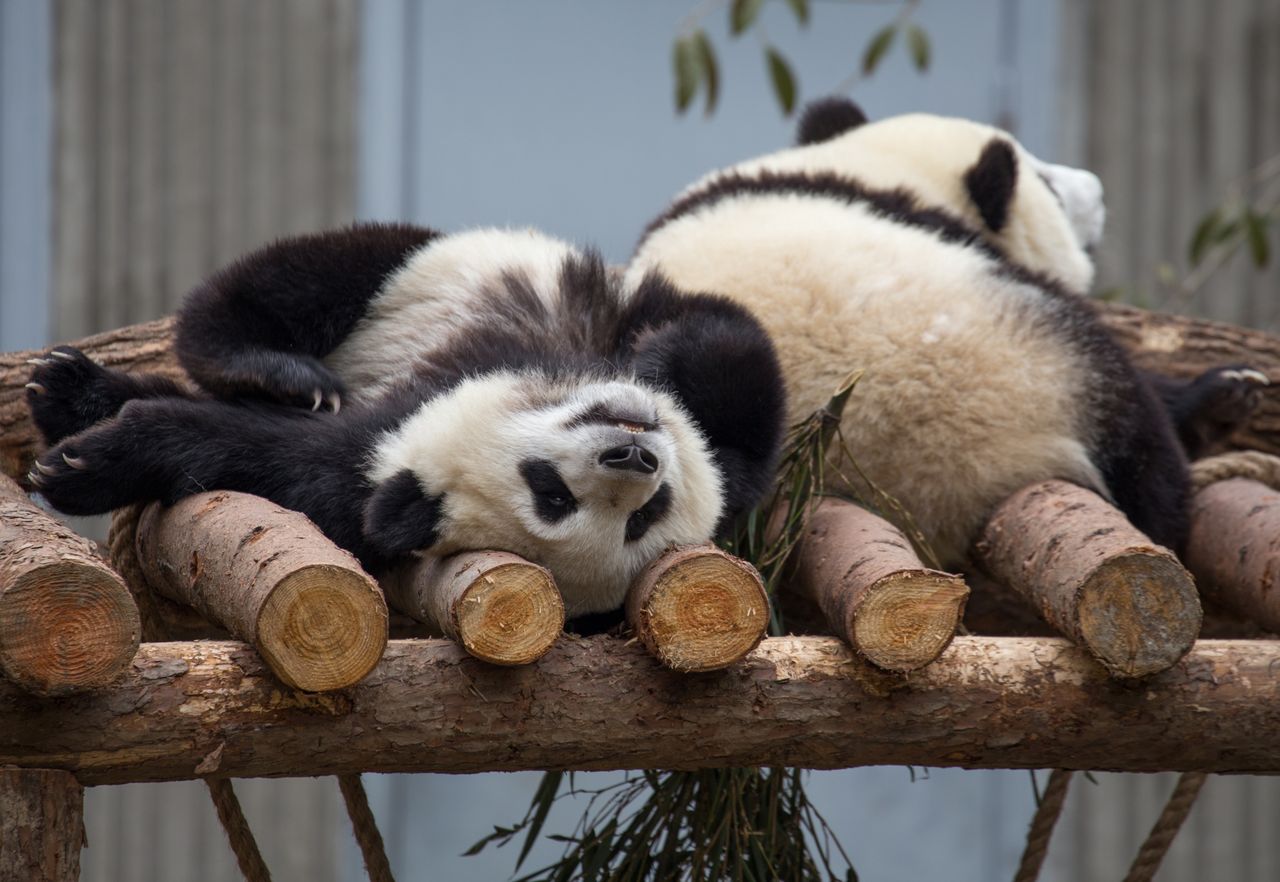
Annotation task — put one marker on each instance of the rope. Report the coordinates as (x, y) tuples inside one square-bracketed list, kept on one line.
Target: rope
[(238, 832), (366, 829), (1046, 817), (1167, 826), (122, 543), (1252, 464)]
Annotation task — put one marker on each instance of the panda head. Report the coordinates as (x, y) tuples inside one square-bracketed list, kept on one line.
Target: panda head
[(1046, 217), (589, 477)]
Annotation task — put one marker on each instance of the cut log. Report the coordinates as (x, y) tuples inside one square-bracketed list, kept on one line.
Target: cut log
[(41, 825), (1093, 576), (191, 709), (874, 590), (271, 578), (145, 348), (499, 606), (1234, 548), (1168, 344), (67, 621), (697, 608)]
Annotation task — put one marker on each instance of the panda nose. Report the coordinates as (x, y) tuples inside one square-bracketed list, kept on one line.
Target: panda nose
[(630, 457)]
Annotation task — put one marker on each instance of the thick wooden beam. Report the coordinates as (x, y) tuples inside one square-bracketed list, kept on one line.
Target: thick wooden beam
[(193, 709), (41, 825)]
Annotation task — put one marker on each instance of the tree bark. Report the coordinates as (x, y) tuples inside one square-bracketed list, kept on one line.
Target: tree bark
[(67, 621), (1234, 548), (41, 825), (499, 606), (1093, 576), (192, 709), (144, 348), (873, 589), (697, 608), (271, 578), (1168, 344)]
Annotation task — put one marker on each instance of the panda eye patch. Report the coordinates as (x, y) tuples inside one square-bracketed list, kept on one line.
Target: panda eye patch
[(552, 499), (648, 514)]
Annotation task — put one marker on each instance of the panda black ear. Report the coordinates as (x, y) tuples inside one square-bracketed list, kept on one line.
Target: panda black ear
[(826, 118), (400, 517), (991, 182)]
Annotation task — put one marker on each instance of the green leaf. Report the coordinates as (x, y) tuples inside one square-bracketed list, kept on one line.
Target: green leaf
[(1202, 237), (918, 43), (784, 81), (543, 798), (503, 833), (708, 68), (876, 49), (685, 63), (1255, 227), (801, 9), (743, 14)]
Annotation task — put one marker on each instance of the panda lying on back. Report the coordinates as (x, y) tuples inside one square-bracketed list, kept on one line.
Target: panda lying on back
[(415, 392), (951, 265)]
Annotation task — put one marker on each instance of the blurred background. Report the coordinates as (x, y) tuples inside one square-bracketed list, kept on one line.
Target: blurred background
[(145, 142)]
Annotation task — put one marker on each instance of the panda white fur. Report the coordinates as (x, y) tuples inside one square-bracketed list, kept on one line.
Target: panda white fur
[(419, 393), (949, 264)]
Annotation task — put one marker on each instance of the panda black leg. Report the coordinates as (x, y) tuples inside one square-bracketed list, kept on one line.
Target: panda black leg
[(69, 392), (1207, 409), (166, 449)]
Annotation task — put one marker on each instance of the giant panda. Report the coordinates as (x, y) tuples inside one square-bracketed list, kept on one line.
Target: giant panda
[(950, 266), (419, 393)]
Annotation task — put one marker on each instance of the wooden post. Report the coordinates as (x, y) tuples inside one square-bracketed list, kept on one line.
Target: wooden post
[(270, 577), (873, 589), (697, 608), (499, 606), (67, 621), (1234, 548), (1093, 576), (41, 825)]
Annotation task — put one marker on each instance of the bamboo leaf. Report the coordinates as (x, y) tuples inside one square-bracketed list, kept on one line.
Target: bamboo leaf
[(543, 798), (784, 81), (918, 43), (709, 69), (801, 9), (1201, 238), (743, 14), (876, 49), (1255, 226), (685, 64)]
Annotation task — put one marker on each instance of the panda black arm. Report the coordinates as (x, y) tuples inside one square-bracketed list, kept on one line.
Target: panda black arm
[(259, 327), (717, 359)]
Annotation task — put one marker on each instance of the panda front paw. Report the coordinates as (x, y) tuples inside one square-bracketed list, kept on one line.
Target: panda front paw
[(93, 472), (69, 392)]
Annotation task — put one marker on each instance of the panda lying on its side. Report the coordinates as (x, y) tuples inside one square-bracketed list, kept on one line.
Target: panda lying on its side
[(951, 265), (410, 391)]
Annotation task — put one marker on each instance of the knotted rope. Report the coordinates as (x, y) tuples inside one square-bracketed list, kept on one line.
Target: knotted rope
[(1253, 464), (366, 829), (1042, 825), (1166, 827), (122, 544)]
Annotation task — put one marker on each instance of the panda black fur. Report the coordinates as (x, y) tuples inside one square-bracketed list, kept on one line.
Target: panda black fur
[(950, 265), (415, 392)]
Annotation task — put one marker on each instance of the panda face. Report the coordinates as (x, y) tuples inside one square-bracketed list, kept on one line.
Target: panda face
[(590, 478)]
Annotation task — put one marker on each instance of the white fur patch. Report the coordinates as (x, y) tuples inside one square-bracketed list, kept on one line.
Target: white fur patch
[(469, 444), (434, 295), (966, 397)]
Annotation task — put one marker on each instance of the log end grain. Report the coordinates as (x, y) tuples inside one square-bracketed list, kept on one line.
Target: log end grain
[(66, 626), (698, 608), (906, 619), (1139, 613), (322, 627), (510, 615)]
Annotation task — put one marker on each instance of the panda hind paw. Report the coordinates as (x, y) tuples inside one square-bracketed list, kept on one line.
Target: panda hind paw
[(69, 392)]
